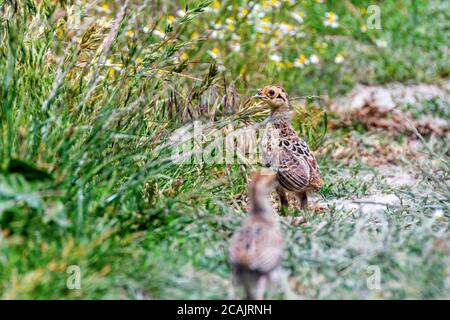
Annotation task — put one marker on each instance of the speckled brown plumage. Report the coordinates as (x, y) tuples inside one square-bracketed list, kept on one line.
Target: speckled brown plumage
[(296, 167), (256, 248)]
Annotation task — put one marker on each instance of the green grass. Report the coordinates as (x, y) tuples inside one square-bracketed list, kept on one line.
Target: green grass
[(87, 179)]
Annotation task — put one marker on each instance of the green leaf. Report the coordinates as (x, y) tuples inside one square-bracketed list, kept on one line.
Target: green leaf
[(28, 171)]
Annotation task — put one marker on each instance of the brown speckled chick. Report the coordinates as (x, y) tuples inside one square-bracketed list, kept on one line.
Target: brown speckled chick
[(287, 154), (257, 246)]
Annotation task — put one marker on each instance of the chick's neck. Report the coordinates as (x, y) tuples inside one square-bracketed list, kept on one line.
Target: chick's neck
[(283, 112), (260, 203)]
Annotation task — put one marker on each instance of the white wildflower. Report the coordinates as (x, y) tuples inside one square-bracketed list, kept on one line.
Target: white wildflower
[(314, 59), (298, 16), (276, 57), (331, 20), (339, 58), (380, 43), (159, 33)]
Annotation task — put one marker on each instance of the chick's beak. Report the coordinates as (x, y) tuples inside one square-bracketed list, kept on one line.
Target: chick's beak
[(258, 95)]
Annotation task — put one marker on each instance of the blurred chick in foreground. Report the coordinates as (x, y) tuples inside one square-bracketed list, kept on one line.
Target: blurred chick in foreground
[(296, 167), (257, 246)]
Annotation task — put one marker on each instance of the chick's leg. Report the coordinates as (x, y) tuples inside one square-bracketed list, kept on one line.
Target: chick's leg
[(283, 199), (261, 287), (303, 199), (248, 283), (248, 292)]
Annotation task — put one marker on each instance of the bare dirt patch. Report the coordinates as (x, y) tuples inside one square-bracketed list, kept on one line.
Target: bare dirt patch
[(371, 149), (381, 107), (366, 205)]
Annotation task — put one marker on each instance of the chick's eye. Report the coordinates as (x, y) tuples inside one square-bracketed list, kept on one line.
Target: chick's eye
[(271, 92)]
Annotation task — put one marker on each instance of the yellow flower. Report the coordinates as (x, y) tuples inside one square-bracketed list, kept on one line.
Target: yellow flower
[(264, 25), (111, 72), (216, 5), (301, 61), (215, 52), (243, 13), (302, 58), (194, 35), (280, 65), (271, 3), (230, 27), (130, 33), (266, 4), (184, 56), (331, 16), (331, 20), (105, 8), (170, 19)]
